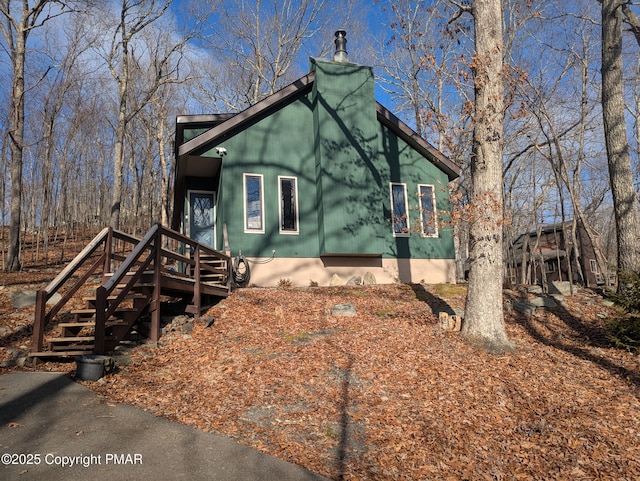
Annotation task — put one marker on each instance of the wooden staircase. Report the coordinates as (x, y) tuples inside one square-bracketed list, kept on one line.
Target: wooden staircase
[(135, 277)]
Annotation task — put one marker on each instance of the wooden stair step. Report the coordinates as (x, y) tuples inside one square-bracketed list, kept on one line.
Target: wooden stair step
[(73, 347), (91, 324), (93, 311), (75, 352), (137, 285), (55, 340), (133, 295)]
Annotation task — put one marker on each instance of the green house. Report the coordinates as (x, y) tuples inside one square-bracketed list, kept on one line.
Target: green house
[(315, 180)]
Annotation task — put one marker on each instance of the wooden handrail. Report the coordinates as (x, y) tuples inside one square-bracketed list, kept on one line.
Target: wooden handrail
[(77, 262), (131, 259), (132, 268)]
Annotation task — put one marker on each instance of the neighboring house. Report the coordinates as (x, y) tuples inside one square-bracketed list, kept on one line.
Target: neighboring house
[(315, 180), (548, 255)]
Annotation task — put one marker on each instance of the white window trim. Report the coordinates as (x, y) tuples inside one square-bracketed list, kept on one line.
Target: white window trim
[(297, 229), (244, 201), (435, 210), (406, 209), (593, 265)]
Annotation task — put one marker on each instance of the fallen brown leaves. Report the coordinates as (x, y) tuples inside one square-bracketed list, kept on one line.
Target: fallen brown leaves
[(388, 395)]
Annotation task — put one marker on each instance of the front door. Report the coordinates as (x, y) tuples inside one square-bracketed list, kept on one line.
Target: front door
[(202, 217)]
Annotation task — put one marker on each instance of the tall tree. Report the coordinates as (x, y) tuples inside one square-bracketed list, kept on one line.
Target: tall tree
[(145, 55), (484, 319), (135, 16), (625, 201), (20, 18), (259, 44)]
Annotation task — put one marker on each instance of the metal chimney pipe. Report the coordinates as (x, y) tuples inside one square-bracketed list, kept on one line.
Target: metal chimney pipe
[(341, 47)]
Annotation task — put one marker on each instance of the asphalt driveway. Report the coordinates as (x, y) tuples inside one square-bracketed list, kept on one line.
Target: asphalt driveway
[(55, 429)]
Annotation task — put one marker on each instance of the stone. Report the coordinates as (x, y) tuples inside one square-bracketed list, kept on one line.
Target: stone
[(355, 281), (23, 299), (54, 298), (336, 280), (560, 287), (524, 308), (547, 302), (534, 289), (444, 320), (348, 310), (369, 279), (27, 298), (187, 327)]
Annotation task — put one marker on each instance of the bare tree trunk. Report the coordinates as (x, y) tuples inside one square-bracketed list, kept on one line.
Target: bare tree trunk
[(619, 161), (484, 316), (16, 31), (16, 138)]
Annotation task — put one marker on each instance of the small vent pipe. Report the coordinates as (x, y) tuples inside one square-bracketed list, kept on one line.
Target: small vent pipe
[(341, 47)]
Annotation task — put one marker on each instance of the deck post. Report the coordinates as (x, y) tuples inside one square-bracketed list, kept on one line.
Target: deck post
[(197, 301), (108, 246), (101, 310), (155, 333), (40, 320)]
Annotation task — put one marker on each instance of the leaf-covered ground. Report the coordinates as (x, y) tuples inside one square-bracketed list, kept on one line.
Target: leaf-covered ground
[(387, 395)]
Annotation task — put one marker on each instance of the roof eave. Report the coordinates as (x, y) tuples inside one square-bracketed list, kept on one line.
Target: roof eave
[(245, 116), (386, 117)]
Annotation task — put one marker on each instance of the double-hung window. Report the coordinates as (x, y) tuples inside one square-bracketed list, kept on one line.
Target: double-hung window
[(399, 210), (253, 203), (428, 220), (288, 193)]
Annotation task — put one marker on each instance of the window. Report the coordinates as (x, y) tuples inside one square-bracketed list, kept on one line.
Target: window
[(429, 225), (253, 204), (594, 265), (288, 193), (550, 266), (399, 210)]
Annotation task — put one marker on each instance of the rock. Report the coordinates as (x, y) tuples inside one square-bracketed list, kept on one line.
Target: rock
[(449, 322), (547, 302), (21, 361), (444, 320), (23, 299), (369, 279), (560, 287), (336, 280), (27, 298), (355, 281), (535, 289), (187, 327), (608, 303), (54, 299), (524, 308), (344, 310)]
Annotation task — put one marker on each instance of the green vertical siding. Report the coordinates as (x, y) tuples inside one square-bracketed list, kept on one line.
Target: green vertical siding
[(343, 159), (407, 166), (351, 187), (275, 145)]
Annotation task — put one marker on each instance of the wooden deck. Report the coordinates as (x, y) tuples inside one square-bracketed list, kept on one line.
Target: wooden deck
[(145, 273)]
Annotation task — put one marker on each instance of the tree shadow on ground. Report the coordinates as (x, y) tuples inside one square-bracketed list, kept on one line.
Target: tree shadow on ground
[(436, 304), (585, 341)]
